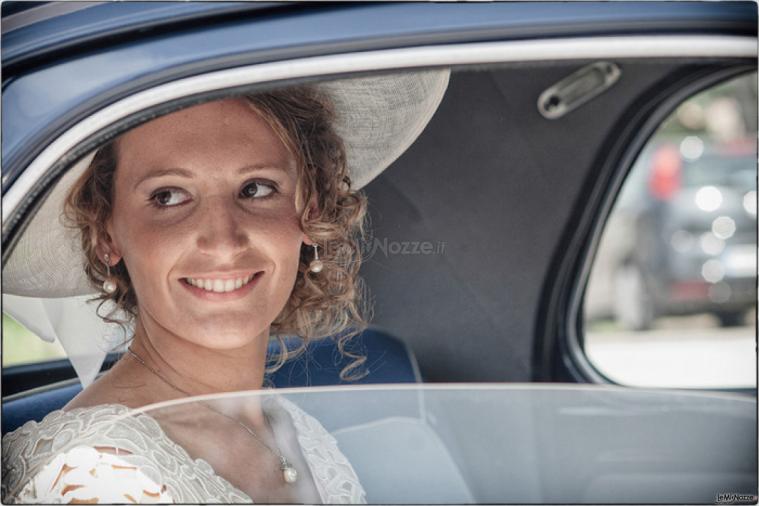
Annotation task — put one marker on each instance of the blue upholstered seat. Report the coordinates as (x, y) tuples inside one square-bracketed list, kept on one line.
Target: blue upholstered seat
[(388, 360)]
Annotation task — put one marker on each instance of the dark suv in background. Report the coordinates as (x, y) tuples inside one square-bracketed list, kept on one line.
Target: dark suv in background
[(685, 233)]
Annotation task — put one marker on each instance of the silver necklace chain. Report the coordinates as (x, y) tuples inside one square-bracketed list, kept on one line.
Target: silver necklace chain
[(289, 473)]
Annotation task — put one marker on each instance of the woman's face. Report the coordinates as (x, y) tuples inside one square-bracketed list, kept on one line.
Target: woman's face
[(205, 219)]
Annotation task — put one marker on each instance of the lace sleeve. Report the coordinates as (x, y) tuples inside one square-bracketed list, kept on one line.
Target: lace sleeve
[(92, 475)]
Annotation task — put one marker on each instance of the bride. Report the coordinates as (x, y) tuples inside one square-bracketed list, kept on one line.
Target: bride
[(214, 229)]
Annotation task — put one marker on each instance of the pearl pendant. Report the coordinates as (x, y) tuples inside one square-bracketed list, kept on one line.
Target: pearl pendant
[(290, 474), (316, 266), (109, 286)]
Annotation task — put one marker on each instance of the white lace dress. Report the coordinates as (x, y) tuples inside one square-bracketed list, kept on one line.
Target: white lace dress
[(99, 455)]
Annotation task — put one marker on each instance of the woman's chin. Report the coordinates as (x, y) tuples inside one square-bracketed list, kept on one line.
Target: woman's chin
[(227, 338)]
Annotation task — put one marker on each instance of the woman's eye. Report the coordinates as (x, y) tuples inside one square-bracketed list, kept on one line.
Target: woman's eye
[(169, 197), (257, 190)]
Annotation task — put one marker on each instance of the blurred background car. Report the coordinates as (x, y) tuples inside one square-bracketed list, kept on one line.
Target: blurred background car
[(682, 237)]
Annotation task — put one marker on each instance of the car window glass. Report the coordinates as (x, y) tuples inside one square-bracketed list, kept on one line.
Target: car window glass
[(671, 298)]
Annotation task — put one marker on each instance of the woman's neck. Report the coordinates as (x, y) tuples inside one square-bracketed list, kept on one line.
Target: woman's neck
[(193, 369)]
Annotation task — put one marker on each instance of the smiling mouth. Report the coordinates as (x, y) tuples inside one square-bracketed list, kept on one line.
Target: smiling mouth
[(221, 285)]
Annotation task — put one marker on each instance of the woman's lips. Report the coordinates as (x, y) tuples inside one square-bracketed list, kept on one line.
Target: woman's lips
[(226, 295)]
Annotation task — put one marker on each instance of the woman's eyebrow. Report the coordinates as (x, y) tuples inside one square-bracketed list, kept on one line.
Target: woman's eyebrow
[(165, 172), (189, 175), (257, 167)]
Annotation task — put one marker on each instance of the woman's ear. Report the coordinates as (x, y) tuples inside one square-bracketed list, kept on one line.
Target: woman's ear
[(105, 246), (114, 256), (313, 208), (313, 212)]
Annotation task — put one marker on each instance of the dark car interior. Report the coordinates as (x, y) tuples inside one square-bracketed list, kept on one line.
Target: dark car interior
[(516, 204), (512, 199)]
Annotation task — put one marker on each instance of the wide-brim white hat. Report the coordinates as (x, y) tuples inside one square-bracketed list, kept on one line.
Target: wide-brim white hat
[(44, 284), (378, 118)]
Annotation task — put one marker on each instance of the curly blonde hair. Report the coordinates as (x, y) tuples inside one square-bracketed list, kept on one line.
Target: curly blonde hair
[(330, 303)]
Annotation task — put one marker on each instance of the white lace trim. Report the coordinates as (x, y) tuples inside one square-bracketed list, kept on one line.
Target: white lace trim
[(162, 464), (334, 476)]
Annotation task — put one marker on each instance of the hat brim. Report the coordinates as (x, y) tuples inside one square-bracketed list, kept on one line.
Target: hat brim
[(378, 118)]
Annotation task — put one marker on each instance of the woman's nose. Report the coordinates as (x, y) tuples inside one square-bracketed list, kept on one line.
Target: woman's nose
[(220, 230)]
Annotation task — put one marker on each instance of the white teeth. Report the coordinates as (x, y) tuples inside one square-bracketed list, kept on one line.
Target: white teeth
[(220, 285)]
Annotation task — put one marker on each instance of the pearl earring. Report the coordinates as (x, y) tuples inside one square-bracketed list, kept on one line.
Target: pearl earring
[(109, 285), (316, 265)]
